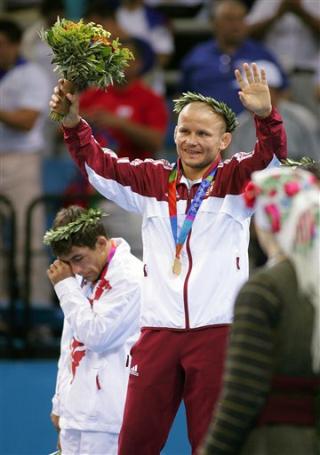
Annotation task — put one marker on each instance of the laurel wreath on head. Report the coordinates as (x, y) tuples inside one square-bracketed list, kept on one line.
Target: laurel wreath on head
[(217, 106), (85, 220), (296, 163)]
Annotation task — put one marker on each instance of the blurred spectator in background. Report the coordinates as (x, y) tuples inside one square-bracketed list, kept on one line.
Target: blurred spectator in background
[(130, 117), (188, 3), (209, 67), (33, 48), (272, 374), (208, 4), (291, 29), (38, 51), (24, 95), (178, 8), (151, 25), (104, 14), (188, 8), (302, 127), (317, 81)]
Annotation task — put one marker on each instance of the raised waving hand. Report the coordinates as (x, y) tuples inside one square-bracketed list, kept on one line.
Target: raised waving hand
[(254, 90)]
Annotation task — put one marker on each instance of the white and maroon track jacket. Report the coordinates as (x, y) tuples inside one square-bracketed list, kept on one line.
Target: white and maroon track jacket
[(214, 257), (93, 368)]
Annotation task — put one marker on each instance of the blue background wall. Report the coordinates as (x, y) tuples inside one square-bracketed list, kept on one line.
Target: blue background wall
[(26, 388)]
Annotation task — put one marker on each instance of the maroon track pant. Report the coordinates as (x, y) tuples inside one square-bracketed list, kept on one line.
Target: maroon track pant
[(167, 367)]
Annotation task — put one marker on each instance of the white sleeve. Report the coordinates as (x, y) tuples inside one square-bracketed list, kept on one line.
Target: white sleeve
[(35, 88), (111, 320), (63, 375), (162, 40)]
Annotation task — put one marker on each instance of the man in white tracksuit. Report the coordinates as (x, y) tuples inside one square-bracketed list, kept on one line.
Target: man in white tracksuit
[(97, 281)]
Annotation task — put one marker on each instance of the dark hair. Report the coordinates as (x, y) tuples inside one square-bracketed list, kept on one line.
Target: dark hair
[(216, 6), (11, 29), (101, 8), (83, 237), (143, 50), (51, 6)]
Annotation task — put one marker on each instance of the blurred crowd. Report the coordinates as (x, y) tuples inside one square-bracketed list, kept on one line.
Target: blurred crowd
[(179, 46)]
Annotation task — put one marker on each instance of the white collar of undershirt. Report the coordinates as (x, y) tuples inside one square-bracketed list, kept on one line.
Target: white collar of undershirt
[(188, 182)]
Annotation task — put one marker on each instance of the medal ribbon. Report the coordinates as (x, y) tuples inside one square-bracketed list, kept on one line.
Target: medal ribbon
[(103, 283), (193, 209)]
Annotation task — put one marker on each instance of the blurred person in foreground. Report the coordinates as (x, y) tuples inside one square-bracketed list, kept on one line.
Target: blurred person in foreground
[(272, 373), (257, 256), (97, 281), (195, 240)]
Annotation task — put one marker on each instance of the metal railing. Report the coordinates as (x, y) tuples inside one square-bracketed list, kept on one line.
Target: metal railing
[(8, 254)]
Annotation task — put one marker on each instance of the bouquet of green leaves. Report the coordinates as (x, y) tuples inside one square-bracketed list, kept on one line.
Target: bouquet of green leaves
[(85, 55)]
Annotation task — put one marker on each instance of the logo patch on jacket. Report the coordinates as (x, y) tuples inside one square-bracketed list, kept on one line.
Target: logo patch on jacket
[(134, 370)]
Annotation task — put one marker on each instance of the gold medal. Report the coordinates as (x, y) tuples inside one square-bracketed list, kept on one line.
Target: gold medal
[(176, 266)]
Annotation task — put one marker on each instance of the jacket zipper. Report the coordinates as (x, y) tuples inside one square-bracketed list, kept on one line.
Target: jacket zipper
[(185, 285)]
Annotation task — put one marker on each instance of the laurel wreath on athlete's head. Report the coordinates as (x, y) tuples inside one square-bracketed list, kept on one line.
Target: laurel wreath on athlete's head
[(217, 106), (87, 219)]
